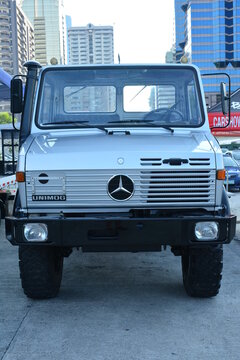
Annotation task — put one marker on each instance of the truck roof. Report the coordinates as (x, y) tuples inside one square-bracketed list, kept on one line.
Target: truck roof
[(121, 66)]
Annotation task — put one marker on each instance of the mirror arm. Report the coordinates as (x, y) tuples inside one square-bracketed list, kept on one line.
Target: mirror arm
[(227, 98), (15, 128)]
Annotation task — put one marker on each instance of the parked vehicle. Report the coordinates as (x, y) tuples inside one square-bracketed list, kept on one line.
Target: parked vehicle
[(232, 173), (236, 156), (8, 189), (118, 158), (224, 150)]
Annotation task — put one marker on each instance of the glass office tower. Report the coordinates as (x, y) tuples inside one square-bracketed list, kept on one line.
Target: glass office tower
[(49, 22), (179, 29), (210, 36)]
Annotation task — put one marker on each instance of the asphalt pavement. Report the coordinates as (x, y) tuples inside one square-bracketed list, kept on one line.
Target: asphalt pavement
[(120, 306)]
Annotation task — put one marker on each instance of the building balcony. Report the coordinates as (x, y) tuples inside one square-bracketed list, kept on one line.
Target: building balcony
[(4, 3), (5, 28), (40, 37), (7, 56), (6, 62), (4, 15), (5, 59), (40, 54), (41, 41), (4, 32), (5, 40), (5, 43), (235, 64), (221, 64), (39, 30), (4, 22)]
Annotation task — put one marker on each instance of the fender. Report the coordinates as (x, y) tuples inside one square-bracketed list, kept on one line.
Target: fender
[(225, 202)]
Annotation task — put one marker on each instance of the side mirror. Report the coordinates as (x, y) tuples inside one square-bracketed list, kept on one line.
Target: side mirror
[(224, 98), (16, 96)]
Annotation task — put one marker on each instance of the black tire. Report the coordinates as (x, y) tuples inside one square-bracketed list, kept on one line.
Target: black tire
[(40, 271), (202, 271)]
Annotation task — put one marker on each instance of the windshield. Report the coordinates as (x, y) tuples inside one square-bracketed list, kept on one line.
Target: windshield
[(114, 96)]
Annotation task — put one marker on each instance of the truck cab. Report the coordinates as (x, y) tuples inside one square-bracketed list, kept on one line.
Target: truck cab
[(118, 158)]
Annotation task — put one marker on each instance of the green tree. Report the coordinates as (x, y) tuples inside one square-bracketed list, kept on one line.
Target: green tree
[(5, 118)]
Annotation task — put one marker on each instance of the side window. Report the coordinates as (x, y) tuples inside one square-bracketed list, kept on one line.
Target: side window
[(194, 111), (46, 105), (194, 115)]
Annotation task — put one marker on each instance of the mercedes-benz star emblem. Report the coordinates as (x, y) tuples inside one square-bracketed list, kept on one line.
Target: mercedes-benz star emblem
[(120, 188)]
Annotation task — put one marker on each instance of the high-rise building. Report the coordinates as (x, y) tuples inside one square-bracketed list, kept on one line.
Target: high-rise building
[(68, 25), (179, 28), (208, 33), (49, 29), (91, 45), (16, 38)]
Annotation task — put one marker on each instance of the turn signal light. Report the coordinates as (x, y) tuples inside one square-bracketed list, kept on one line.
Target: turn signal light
[(221, 174), (20, 176)]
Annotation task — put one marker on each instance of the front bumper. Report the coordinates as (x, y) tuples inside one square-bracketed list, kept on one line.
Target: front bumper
[(108, 233)]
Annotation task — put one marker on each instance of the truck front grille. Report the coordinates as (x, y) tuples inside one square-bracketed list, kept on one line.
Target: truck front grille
[(179, 187), (152, 188)]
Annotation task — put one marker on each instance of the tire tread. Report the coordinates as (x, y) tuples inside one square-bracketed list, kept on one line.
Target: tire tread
[(202, 277), (40, 279)]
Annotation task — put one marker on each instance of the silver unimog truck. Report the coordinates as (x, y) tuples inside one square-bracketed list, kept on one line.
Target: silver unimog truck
[(117, 158)]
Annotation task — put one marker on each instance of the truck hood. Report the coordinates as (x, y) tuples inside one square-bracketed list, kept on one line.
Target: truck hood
[(72, 151)]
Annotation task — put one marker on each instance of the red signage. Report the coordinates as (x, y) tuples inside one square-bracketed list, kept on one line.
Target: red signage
[(219, 120)]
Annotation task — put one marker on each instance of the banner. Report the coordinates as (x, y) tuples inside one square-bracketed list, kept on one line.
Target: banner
[(219, 120)]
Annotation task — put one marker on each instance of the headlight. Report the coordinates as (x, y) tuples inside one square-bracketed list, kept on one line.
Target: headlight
[(206, 230), (35, 232)]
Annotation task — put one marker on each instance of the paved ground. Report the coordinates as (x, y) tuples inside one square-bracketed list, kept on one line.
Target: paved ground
[(120, 306)]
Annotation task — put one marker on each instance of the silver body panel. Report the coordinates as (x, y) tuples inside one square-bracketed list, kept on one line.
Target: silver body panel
[(79, 165)]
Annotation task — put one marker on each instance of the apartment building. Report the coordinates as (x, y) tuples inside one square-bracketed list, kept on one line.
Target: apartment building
[(91, 45), (16, 38)]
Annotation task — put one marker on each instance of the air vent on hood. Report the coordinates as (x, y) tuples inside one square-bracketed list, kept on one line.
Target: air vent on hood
[(199, 161), (151, 161)]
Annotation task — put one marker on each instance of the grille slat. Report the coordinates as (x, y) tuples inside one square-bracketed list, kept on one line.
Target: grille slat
[(199, 162), (151, 161)]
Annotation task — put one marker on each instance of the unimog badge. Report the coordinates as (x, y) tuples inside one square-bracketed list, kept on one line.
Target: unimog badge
[(49, 198)]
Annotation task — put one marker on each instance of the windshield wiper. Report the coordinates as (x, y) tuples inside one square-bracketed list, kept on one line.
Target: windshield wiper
[(145, 122), (80, 124), (65, 123)]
